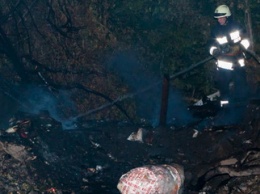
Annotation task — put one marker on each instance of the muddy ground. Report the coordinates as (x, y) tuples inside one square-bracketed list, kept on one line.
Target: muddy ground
[(38, 156)]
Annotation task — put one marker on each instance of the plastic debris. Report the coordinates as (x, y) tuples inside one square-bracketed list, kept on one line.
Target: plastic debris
[(136, 136), (19, 152), (152, 179), (195, 134), (12, 129)]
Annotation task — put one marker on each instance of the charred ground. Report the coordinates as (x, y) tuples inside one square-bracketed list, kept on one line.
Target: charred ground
[(38, 155)]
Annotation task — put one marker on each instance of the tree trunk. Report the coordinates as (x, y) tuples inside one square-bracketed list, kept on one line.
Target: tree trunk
[(164, 102), (248, 22)]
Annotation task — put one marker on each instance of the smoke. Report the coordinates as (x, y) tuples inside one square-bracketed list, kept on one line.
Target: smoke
[(37, 99), (148, 100), (146, 86), (178, 113)]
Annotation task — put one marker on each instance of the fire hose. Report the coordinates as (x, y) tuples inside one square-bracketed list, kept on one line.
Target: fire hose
[(121, 98), (130, 95), (251, 53)]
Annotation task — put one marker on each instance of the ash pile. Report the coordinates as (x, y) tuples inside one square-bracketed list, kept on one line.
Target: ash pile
[(38, 156)]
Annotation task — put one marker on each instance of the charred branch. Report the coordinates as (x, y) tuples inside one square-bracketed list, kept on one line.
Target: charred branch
[(22, 34), (51, 16), (246, 166), (6, 16), (39, 67), (13, 56), (9, 90), (29, 12), (66, 27), (233, 172)]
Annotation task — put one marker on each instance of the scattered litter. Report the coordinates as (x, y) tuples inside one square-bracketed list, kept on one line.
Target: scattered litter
[(19, 152), (249, 141), (96, 145), (111, 157), (136, 136), (195, 134), (99, 168), (230, 161), (12, 129), (91, 170), (48, 125)]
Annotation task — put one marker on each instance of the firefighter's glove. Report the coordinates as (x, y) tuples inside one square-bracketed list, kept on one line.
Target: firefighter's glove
[(225, 49), (216, 53)]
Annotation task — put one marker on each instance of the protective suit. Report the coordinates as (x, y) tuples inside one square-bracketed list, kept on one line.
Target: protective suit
[(228, 44)]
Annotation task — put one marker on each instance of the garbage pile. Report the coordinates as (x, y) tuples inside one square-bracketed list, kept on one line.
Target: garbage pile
[(38, 156)]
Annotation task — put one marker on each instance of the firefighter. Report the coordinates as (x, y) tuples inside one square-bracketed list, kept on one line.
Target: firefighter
[(228, 45)]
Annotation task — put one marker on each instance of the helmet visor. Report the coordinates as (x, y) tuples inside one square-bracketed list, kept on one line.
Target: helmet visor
[(219, 15)]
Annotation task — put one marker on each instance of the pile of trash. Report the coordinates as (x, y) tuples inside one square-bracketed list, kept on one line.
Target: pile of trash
[(38, 156)]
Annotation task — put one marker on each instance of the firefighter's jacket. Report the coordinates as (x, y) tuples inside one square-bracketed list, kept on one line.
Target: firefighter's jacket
[(230, 41)]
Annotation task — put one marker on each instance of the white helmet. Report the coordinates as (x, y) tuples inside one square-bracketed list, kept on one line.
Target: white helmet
[(222, 11)]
